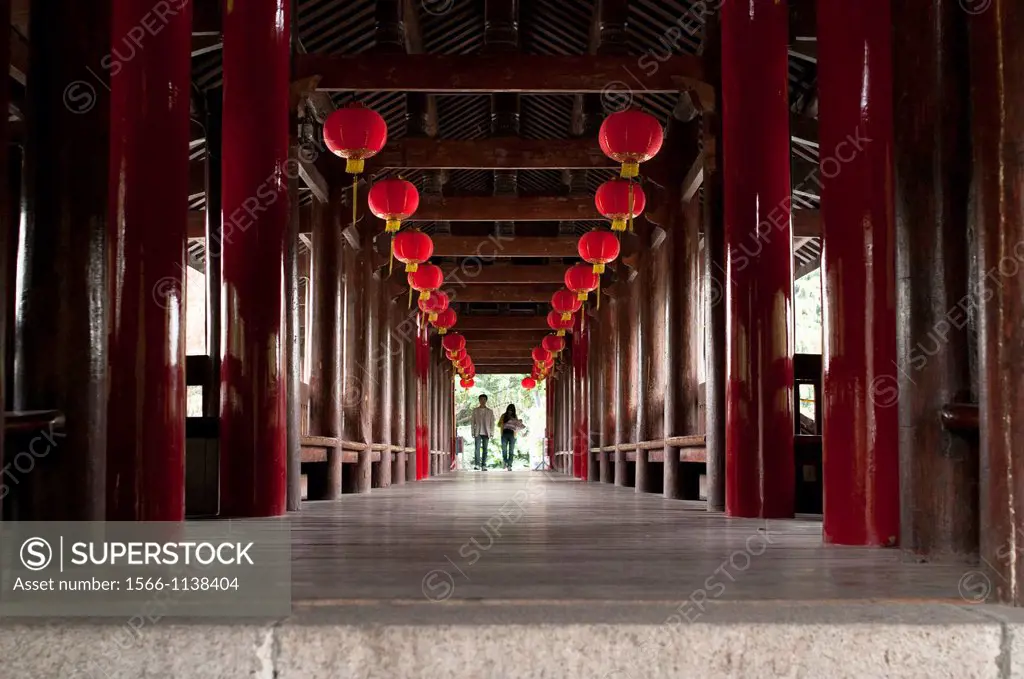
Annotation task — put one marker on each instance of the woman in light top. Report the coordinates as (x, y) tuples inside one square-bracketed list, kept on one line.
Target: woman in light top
[(509, 425)]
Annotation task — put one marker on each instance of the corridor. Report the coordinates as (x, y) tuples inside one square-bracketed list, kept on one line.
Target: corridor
[(543, 537)]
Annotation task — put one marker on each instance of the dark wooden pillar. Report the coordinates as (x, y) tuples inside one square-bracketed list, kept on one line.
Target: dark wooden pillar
[(399, 342), (714, 279), (63, 320), (10, 194), (580, 413), (608, 316), (759, 245), (595, 395), (366, 371), (938, 471), (326, 379), (214, 246), (654, 375), (997, 79), (382, 421), (352, 322), (148, 224), (860, 435), (629, 414)]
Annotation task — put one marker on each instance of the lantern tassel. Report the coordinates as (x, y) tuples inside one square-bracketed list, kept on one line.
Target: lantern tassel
[(391, 258), (410, 297), (598, 291)]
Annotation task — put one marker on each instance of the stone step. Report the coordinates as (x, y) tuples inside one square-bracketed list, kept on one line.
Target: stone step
[(543, 639)]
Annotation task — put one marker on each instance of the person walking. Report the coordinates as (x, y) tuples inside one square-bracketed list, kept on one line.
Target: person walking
[(509, 424), (483, 425)]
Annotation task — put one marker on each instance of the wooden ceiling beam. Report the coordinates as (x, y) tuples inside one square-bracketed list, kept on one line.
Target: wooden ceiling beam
[(533, 73), (493, 246), (504, 368), (503, 293), (507, 208), (512, 153), (486, 324), (505, 274)]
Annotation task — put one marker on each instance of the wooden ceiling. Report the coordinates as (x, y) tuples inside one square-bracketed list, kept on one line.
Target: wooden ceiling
[(492, 108)]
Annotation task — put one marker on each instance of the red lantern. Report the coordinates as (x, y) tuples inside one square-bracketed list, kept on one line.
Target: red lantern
[(620, 201), (412, 247), (434, 305), (598, 248), (553, 343), (393, 200), (540, 354), (466, 383), (454, 342), (355, 133), (556, 323), (630, 137), (565, 303), (529, 383), (582, 280), (446, 319), (425, 279)]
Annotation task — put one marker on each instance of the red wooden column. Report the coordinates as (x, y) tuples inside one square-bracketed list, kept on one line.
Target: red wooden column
[(549, 423), (861, 433), (399, 341), (149, 134), (759, 253), (410, 412), (422, 399), (595, 396), (997, 86), (256, 80)]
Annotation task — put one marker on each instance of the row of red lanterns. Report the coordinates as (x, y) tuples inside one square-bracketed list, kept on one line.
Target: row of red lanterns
[(629, 137), (454, 346)]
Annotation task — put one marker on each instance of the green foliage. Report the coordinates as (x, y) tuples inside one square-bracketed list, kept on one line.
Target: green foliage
[(502, 390)]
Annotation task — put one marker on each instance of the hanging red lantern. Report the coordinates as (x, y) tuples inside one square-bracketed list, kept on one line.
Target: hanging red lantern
[(466, 383), (393, 200), (425, 279), (553, 343), (412, 247), (630, 137), (556, 323), (434, 305), (529, 383), (598, 248), (540, 354), (457, 355), (355, 133), (620, 201), (565, 303), (446, 319), (454, 342), (582, 280)]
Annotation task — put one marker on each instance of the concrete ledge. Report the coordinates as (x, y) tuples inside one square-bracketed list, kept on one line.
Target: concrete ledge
[(545, 639)]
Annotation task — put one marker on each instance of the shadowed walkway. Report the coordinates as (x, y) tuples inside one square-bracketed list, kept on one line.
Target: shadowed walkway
[(536, 536)]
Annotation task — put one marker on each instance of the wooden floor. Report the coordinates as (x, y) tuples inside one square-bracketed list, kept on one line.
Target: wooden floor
[(537, 536)]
